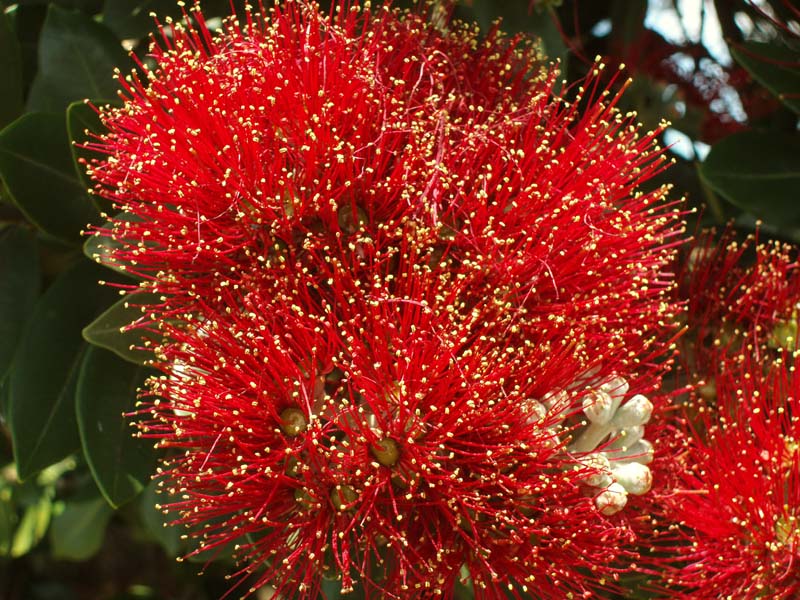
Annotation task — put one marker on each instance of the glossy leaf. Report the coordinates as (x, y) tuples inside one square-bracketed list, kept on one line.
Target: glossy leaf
[(81, 117), (36, 166), (19, 287), (99, 248), (77, 532), (774, 66), (45, 370), (132, 18), (120, 463), (10, 72), (759, 172), (77, 57), (110, 330)]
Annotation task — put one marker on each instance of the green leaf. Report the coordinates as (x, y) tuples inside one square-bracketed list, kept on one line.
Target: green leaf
[(540, 24), (45, 370), (32, 526), (77, 57), (36, 165), (130, 19), (774, 66), (759, 172), (331, 589), (19, 287), (100, 248), (110, 329), (78, 531), (120, 463), (8, 520), (10, 72), (155, 521), (81, 117), (4, 393)]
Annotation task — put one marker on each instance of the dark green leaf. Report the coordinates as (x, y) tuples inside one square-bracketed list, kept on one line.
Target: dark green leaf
[(463, 591), (77, 57), (77, 532), (758, 172), (87, 6), (155, 521), (36, 165), (110, 330), (4, 398), (331, 589), (775, 67), (45, 369), (10, 72), (19, 287), (627, 17), (81, 117), (517, 18), (130, 19), (121, 464)]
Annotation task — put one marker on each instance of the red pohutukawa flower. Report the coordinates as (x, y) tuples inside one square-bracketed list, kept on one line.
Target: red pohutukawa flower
[(738, 509), (742, 298), (412, 299)]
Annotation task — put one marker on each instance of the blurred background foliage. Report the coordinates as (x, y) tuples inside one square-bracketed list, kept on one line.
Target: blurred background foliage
[(77, 516)]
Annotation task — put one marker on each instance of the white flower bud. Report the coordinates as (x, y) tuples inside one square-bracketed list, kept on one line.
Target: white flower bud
[(602, 476), (635, 411), (557, 398), (612, 500), (616, 386), (641, 452), (634, 477), (627, 438), (598, 406)]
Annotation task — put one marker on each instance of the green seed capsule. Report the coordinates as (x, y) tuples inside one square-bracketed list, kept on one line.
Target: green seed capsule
[(386, 452), (342, 496), (293, 422)]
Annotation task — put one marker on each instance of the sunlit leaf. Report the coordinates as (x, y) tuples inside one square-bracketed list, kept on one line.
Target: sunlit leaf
[(111, 329), (77, 532)]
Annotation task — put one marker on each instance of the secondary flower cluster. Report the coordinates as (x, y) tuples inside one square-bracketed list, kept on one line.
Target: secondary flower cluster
[(412, 299), (737, 508), (741, 298), (726, 509)]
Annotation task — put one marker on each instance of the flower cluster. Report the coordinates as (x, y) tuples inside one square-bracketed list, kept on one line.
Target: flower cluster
[(412, 299), (737, 509), (742, 298)]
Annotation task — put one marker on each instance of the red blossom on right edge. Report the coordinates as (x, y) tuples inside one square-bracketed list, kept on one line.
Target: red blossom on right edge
[(736, 515), (741, 296)]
